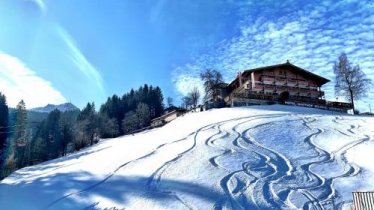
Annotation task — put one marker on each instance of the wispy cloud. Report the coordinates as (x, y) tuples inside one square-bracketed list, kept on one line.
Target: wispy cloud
[(18, 82), (156, 11), (80, 61), (311, 35), (41, 5), (185, 83)]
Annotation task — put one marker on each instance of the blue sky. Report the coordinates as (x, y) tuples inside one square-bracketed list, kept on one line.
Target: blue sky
[(52, 51)]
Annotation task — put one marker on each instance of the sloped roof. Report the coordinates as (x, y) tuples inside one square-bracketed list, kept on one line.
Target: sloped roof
[(321, 80), (169, 113)]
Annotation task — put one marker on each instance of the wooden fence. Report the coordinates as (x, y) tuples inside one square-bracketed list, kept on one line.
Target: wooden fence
[(363, 201)]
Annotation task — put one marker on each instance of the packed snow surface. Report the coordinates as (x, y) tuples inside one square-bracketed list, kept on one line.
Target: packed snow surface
[(259, 157)]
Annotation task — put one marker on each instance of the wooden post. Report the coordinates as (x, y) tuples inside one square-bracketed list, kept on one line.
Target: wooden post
[(240, 79), (253, 80), (285, 75), (274, 83), (263, 84), (297, 85)]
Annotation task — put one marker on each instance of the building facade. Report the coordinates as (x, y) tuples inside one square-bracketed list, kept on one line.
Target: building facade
[(285, 82)]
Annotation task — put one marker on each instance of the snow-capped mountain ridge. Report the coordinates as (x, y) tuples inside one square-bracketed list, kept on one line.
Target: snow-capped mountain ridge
[(50, 107)]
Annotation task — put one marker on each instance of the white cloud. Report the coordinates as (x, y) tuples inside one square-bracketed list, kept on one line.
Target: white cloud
[(310, 36), (18, 82), (80, 60), (186, 82)]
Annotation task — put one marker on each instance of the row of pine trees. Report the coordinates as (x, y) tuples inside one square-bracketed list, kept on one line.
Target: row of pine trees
[(22, 143)]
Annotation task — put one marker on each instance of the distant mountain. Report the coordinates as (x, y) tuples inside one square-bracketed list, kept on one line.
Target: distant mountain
[(62, 107)]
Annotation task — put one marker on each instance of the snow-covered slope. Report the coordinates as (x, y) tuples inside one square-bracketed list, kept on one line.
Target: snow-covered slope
[(260, 157), (62, 107)]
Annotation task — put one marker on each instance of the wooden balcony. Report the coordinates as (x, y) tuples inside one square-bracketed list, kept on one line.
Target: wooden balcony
[(275, 97), (303, 84), (292, 83), (268, 82), (270, 86)]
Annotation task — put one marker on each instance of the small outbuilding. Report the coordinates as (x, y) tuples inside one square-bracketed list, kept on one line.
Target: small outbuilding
[(167, 117)]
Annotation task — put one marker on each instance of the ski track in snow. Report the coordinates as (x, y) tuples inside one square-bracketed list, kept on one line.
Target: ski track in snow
[(113, 173), (271, 169), (156, 176), (268, 178)]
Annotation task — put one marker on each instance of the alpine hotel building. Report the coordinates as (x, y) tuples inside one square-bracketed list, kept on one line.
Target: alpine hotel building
[(278, 82)]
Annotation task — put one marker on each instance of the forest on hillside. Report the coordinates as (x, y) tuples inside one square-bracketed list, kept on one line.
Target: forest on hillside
[(28, 138)]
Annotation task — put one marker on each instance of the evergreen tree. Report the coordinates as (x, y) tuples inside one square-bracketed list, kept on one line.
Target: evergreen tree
[(108, 126), (21, 120), (81, 139), (88, 122), (87, 112), (143, 115), (20, 133), (53, 133), (4, 112), (158, 102), (68, 121), (130, 122), (66, 138), (39, 151), (115, 107)]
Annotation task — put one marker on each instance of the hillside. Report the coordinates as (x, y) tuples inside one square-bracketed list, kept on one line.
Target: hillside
[(260, 157)]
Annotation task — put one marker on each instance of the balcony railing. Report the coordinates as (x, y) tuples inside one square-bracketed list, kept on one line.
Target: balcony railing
[(315, 102), (281, 88), (286, 83), (275, 97)]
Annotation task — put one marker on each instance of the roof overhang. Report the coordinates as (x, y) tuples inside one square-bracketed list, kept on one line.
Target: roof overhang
[(319, 79)]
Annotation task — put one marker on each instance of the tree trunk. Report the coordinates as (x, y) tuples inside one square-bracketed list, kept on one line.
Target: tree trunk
[(352, 102)]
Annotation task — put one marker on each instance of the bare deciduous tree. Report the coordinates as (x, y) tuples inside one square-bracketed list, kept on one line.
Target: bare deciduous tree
[(212, 81), (186, 102), (169, 100), (195, 96), (351, 81)]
